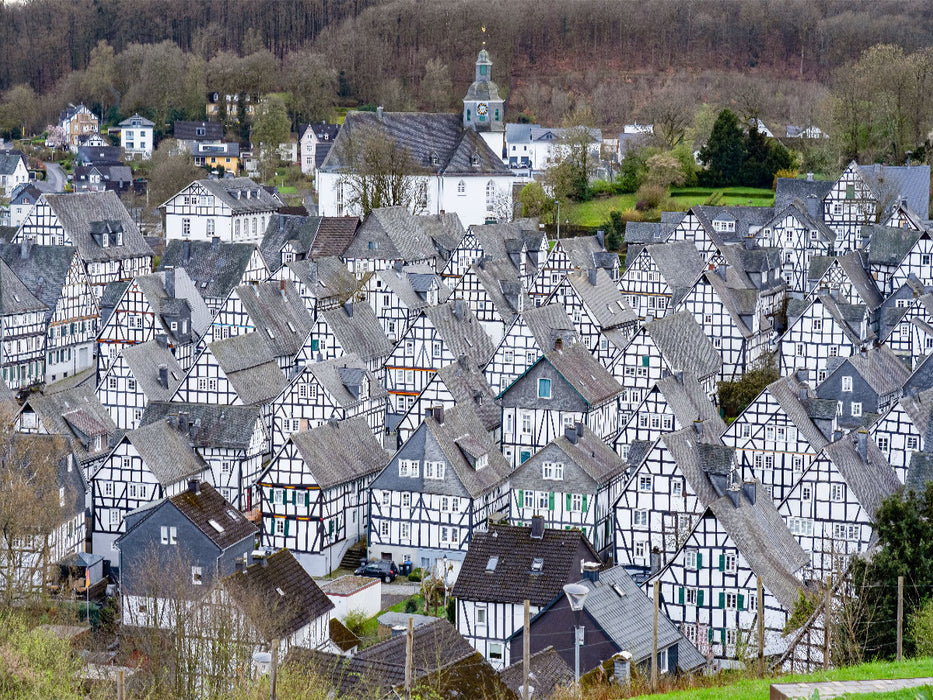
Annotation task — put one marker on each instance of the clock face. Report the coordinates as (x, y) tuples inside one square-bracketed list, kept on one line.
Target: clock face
[(482, 109)]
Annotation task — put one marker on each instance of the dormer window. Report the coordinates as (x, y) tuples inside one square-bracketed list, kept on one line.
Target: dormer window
[(537, 565), (474, 160), (434, 159), (481, 461)]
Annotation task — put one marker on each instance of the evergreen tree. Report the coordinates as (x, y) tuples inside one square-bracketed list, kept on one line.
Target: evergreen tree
[(724, 152)]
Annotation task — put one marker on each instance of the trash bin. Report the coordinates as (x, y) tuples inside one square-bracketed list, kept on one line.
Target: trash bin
[(406, 568)]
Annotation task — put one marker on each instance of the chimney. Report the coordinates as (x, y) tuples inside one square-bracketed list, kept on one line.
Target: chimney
[(698, 426), (481, 262), (601, 237), (194, 486), (186, 252), (749, 243), (591, 276), (722, 269), (579, 429), (590, 571), (379, 112), (803, 393), (458, 309), (558, 343), (170, 282), (813, 204), (809, 177), (537, 527), (348, 308), (183, 421), (655, 560), (24, 247), (861, 443), (163, 376), (571, 435), (622, 668), (282, 288), (438, 414), (749, 488)]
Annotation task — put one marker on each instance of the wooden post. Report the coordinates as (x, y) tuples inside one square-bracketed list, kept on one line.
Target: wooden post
[(761, 628), (274, 669), (900, 618), (827, 621), (121, 685), (526, 652), (654, 638), (409, 643)]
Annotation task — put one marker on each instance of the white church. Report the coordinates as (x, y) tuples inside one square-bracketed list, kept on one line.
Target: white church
[(456, 161)]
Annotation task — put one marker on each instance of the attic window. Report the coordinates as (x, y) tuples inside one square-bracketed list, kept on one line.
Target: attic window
[(280, 591), (537, 564), (291, 327), (214, 524), (619, 591), (232, 514), (491, 564), (270, 333)]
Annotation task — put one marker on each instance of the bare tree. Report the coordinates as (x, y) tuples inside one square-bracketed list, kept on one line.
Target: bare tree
[(381, 174)]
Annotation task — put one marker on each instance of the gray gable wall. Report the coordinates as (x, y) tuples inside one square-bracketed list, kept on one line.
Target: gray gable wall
[(523, 393), (424, 447)]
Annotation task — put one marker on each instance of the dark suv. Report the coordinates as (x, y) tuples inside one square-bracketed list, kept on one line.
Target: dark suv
[(386, 570)]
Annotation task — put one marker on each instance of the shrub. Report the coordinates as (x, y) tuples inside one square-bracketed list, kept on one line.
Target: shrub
[(415, 576), (651, 196), (355, 621), (411, 606), (735, 396), (920, 629)]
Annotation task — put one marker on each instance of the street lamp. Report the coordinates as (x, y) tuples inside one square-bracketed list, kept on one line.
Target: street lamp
[(576, 595)]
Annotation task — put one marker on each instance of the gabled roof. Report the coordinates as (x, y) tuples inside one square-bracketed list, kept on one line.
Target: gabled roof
[(884, 371), (500, 281), (919, 471), (684, 345), (325, 278), (747, 220), (870, 477), (15, 298), (588, 451), (145, 360), (787, 392), (410, 282), (602, 298), (166, 452), (9, 162), (808, 210), (887, 245), (583, 372), (547, 672), (900, 182), (26, 193), (679, 263), (25, 454), (277, 595), (278, 313), (80, 213), (207, 425), (340, 452), (188, 131), (788, 189), (241, 194), (512, 580), (137, 121), (287, 228), (216, 268), (707, 467), (339, 375), (334, 234), (689, 403), (391, 233), (208, 505), (76, 412), (549, 322), (435, 143), (461, 331), (358, 330), (250, 367)]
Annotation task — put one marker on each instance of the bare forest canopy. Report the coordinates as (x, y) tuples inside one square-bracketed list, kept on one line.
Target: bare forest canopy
[(551, 56)]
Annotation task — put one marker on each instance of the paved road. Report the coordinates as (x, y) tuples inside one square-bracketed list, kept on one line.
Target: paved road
[(54, 178)]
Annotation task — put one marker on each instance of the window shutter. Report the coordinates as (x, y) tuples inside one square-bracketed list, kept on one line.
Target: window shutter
[(568, 502), (644, 360), (584, 503), (550, 501), (680, 596), (722, 636), (700, 598), (286, 530), (307, 499), (521, 499), (271, 495), (699, 560), (722, 562), (709, 634), (741, 602), (722, 599), (294, 496)]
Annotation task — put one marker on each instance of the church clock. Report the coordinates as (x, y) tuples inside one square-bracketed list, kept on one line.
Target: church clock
[(482, 109)]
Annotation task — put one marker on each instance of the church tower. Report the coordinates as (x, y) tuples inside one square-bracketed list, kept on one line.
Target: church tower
[(483, 109)]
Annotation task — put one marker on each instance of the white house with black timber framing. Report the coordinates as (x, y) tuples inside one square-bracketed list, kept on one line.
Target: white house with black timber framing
[(658, 276)]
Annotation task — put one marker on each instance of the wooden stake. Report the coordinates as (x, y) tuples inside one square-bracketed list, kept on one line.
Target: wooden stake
[(900, 618), (121, 685), (274, 670), (761, 628), (827, 621), (654, 638), (526, 652), (409, 644)]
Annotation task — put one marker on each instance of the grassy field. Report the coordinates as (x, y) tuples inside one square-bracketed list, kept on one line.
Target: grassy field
[(758, 689), (922, 693), (596, 211)]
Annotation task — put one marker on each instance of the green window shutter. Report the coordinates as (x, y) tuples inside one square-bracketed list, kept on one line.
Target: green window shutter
[(584, 503), (709, 634), (645, 360), (286, 527), (722, 636), (722, 599), (741, 602), (699, 560), (722, 562), (568, 502), (700, 598), (271, 495), (550, 501), (680, 596), (521, 499), (307, 499), (330, 527), (315, 344), (294, 496)]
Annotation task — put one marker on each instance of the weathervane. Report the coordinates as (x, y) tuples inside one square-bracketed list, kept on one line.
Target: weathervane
[(483, 28)]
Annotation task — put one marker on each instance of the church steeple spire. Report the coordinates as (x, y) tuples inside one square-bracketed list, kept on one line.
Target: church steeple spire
[(483, 109)]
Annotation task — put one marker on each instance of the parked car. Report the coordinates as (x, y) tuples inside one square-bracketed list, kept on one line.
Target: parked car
[(386, 570)]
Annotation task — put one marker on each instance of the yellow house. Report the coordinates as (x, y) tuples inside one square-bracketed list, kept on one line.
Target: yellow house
[(214, 155)]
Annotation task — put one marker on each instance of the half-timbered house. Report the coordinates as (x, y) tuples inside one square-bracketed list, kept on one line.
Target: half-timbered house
[(22, 332), (437, 492), (572, 482), (564, 387), (798, 232), (235, 210), (232, 440), (831, 509), (903, 430), (397, 295), (288, 237), (659, 276), (905, 322), (99, 227), (847, 280), (349, 329), (386, 236), (819, 331), (493, 292), (519, 241), (710, 586), (675, 343), (864, 385), (145, 465), (140, 374), (323, 283), (568, 254), (216, 268), (314, 495), (506, 566)]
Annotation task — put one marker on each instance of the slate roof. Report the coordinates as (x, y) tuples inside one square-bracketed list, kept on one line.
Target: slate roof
[(277, 595), (201, 508), (679, 263), (747, 220), (871, 478), (788, 189), (209, 425), (547, 673), (786, 391), (142, 121), (335, 374), (391, 233), (602, 298), (919, 471), (549, 322), (360, 334), (688, 402), (325, 278), (423, 135), (513, 581), (9, 162), (340, 452), (144, 360), (278, 312), (25, 193), (184, 294), (584, 373), (647, 232), (334, 234), (68, 411), (79, 212), (469, 388), (15, 298), (900, 182), (227, 189), (887, 245), (98, 155), (285, 228), (250, 366), (707, 467), (461, 331), (409, 281), (503, 287), (445, 231), (884, 371), (216, 268), (759, 533), (590, 453), (684, 345), (166, 452), (187, 131)]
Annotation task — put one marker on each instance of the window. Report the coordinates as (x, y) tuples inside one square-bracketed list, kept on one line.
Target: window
[(108, 488), (817, 324), (480, 615), (384, 529), (856, 409), (437, 349), (405, 531), (169, 535), (731, 637), (641, 551), (806, 493), (576, 502), (543, 499), (644, 483), (690, 596), (694, 560), (526, 423), (406, 499), (800, 526), (544, 388), (677, 488), (196, 577), (641, 518), (552, 471), (186, 227), (461, 188), (845, 531), (732, 601), (912, 443), (408, 467), (495, 651), (847, 383), (730, 562), (434, 470), (837, 492)]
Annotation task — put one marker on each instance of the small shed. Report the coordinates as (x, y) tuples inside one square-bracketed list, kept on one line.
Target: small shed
[(356, 593)]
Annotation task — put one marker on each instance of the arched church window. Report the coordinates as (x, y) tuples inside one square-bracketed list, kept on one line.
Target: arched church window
[(490, 195), (461, 188)]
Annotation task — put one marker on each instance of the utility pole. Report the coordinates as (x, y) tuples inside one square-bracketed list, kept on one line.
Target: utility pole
[(900, 618), (654, 638), (761, 628), (409, 643), (827, 622), (526, 652)]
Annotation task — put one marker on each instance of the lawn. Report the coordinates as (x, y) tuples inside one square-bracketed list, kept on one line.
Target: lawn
[(596, 211), (924, 692), (758, 689)]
